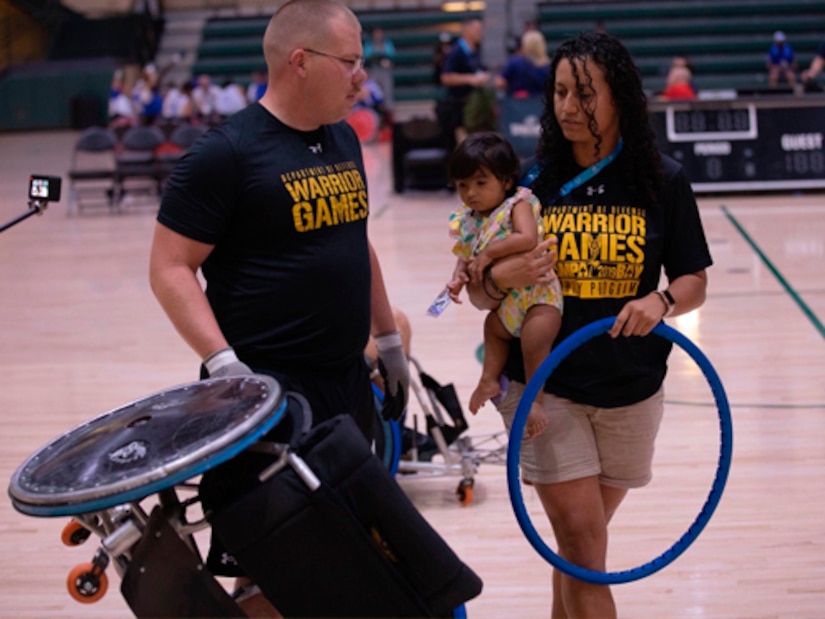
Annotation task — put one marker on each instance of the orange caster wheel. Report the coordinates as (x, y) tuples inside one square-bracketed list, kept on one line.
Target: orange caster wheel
[(74, 534), (465, 492), (87, 583)]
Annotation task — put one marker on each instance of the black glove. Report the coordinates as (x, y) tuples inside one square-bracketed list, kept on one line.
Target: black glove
[(395, 370), (225, 363)]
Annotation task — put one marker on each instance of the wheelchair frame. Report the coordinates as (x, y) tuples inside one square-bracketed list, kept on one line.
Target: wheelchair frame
[(461, 455)]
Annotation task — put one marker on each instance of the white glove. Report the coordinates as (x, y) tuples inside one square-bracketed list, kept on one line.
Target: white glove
[(395, 370), (225, 363)]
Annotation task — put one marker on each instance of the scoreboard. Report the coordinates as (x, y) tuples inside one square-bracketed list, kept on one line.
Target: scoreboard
[(765, 143), (758, 143)]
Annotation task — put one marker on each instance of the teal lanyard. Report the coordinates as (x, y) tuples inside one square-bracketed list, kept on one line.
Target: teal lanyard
[(580, 179)]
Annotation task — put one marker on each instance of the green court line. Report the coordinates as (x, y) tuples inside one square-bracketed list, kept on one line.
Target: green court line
[(381, 211), (793, 294)]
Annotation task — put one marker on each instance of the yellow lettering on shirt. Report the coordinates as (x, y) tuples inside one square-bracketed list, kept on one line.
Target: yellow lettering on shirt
[(601, 249), (326, 196)]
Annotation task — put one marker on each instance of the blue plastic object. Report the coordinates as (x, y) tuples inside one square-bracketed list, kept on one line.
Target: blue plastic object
[(552, 361)]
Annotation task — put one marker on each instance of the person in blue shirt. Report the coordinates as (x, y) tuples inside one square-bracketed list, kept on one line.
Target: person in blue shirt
[(781, 60), (257, 87), (379, 50), (526, 70), (379, 56), (463, 71)]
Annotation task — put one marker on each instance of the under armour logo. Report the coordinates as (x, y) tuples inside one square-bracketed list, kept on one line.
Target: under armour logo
[(316, 148), (594, 190), (228, 559)]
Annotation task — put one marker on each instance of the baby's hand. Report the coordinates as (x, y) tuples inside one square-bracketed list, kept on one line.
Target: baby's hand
[(477, 266), (456, 285)]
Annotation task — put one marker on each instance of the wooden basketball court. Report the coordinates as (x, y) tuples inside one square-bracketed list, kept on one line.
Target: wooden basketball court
[(82, 335)]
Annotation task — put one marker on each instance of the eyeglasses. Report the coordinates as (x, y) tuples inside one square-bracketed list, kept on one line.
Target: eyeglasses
[(356, 63)]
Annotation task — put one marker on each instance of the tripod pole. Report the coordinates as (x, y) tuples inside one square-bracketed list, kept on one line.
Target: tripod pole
[(36, 207)]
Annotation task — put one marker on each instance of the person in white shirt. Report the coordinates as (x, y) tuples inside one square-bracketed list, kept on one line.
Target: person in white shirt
[(204, 95), (177, 102), (230, 99)]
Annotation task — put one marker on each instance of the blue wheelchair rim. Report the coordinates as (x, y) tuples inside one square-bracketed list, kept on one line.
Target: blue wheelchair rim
[(531, 391), (177, 477)]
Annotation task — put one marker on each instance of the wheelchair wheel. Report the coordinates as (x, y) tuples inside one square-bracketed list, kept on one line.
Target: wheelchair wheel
[(74, 533), (464, 491), (86, 583)]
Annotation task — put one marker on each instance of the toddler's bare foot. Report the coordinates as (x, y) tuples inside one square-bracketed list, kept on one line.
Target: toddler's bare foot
[(486, 389), (536, 421)]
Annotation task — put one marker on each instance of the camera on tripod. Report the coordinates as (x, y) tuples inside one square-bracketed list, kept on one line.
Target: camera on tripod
[(44, 188)]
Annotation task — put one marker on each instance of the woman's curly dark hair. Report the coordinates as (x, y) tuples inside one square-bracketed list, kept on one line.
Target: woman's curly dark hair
[(642, 163)]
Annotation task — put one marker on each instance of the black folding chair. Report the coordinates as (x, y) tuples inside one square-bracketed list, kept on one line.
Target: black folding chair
[(137, 168), (179, 141), (92, 175)]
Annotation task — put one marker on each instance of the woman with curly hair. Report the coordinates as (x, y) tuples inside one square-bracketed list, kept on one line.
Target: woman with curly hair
[(622, 213)]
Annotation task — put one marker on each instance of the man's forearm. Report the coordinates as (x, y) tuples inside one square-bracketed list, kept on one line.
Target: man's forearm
[(185, 303)]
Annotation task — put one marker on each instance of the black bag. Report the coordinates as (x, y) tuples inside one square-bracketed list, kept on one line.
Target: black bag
[(354, 547), (164, 578)]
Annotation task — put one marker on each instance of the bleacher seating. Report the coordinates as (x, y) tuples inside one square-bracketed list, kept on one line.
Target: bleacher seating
[(726, 40), (231, 47)]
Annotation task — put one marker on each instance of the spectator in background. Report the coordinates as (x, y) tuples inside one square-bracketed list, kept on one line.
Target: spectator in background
[(146, 95), (379, 50), (681, 61), (379, 57), (514, 41), (817, 65), (177, 103), (371, 97), (678, 86), (442, 49), (527, 70), (231, 99), (256, 87), (463, 72), (781, 60), (204, 95), (121, 111)]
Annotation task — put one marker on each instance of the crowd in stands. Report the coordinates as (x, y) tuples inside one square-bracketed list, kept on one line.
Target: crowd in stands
[(151, 100)]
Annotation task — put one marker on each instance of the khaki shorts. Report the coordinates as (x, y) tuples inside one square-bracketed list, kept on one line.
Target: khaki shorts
[(580, 441)]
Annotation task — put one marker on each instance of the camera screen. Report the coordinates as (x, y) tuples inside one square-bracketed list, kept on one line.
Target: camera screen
[(44, 188)]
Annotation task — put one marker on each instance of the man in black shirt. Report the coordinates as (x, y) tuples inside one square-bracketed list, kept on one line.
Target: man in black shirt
[(272, 208)]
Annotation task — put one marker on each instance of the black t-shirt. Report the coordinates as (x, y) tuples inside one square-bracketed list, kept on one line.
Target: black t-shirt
[(611, 251), (289, 277)]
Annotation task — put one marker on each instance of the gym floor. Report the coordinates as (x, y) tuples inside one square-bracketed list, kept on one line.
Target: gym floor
[(82, 335)]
